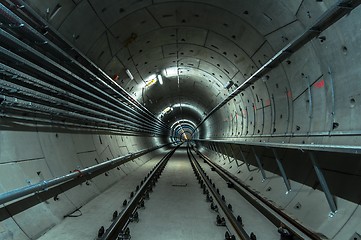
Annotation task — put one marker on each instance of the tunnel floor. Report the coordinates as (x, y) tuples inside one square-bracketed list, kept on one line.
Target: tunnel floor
[(177, 208)]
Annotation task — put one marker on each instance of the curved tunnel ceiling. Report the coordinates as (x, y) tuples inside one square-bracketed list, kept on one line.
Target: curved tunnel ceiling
[(205, 50), (216, 41), (214, 46)]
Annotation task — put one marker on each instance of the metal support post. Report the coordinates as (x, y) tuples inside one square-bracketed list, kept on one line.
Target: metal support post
[(211, 147), (244, 159), (225, 149), (220, 150), (323, 182), (259, 164), (283, 173), (233, 155)]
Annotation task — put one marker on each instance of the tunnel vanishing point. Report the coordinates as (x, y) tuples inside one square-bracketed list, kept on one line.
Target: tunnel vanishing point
[(176, 119)]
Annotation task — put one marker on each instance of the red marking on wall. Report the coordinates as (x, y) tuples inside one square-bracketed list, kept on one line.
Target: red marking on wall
[(319, 84), (244, 112), (267, 102), (254, 107), (289, 93), (116, 77), (237, 116)]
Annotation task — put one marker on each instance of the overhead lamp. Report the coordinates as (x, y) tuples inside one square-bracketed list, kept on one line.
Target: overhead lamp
[(228, 85), (170, 72), (166, 111), (127, 71), (160, 79)]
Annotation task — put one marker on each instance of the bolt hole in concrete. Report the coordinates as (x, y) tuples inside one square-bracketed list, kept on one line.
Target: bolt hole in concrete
[(352, 102), (322, 39), (344, 49)]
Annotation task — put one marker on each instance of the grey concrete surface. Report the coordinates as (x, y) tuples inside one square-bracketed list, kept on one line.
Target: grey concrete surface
[(98, 212), (199, 47), (313, 211), (253, 220), (177, 213)]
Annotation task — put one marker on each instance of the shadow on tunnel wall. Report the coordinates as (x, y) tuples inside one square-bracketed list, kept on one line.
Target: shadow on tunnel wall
[(341, 170)]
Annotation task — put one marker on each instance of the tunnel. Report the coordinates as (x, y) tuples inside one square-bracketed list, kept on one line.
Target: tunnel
[(172, 119)]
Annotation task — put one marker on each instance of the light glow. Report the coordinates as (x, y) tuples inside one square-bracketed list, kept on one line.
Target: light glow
[(170, 72), (167, 110), (129, 74), (160, 79)]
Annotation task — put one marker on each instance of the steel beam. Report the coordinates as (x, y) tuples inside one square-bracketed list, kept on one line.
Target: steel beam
[(227, 154), (233, 155), (264, 177), (324, 185), (244, 159), (354, 149), (219, 151), (44, 185), (283, 173)]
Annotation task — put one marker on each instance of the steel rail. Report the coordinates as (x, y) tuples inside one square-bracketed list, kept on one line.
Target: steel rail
[(105, 102), (356, 149), (17, 105), (13, 19), (14, 42), (44, 185), (123, 219), (13, 90), (243, 190), (28, 122), (24, 80), (242, 234), (35, 21), (294, 134)]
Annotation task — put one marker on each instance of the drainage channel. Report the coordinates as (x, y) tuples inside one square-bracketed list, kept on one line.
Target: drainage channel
[(225, 216), (119, 227)]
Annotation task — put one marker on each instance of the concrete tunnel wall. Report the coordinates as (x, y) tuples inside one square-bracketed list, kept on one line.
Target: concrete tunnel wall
[(315, 91), (307, 204), (310, 98), (30, 157)]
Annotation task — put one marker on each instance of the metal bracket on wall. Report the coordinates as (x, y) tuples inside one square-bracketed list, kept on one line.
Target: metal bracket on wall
[(264, 177), (233, 156), (220, 151), (245, 159), (324, 186), (225, 149), (217, 150), (282, 170)]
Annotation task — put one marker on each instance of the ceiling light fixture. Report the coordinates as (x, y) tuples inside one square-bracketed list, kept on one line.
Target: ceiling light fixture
[(170, 72), (129, 74), (160, 79)]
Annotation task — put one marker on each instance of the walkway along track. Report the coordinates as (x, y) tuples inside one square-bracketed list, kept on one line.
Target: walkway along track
[(206, 182), (274, 214), (120, 223), (26, 197)]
